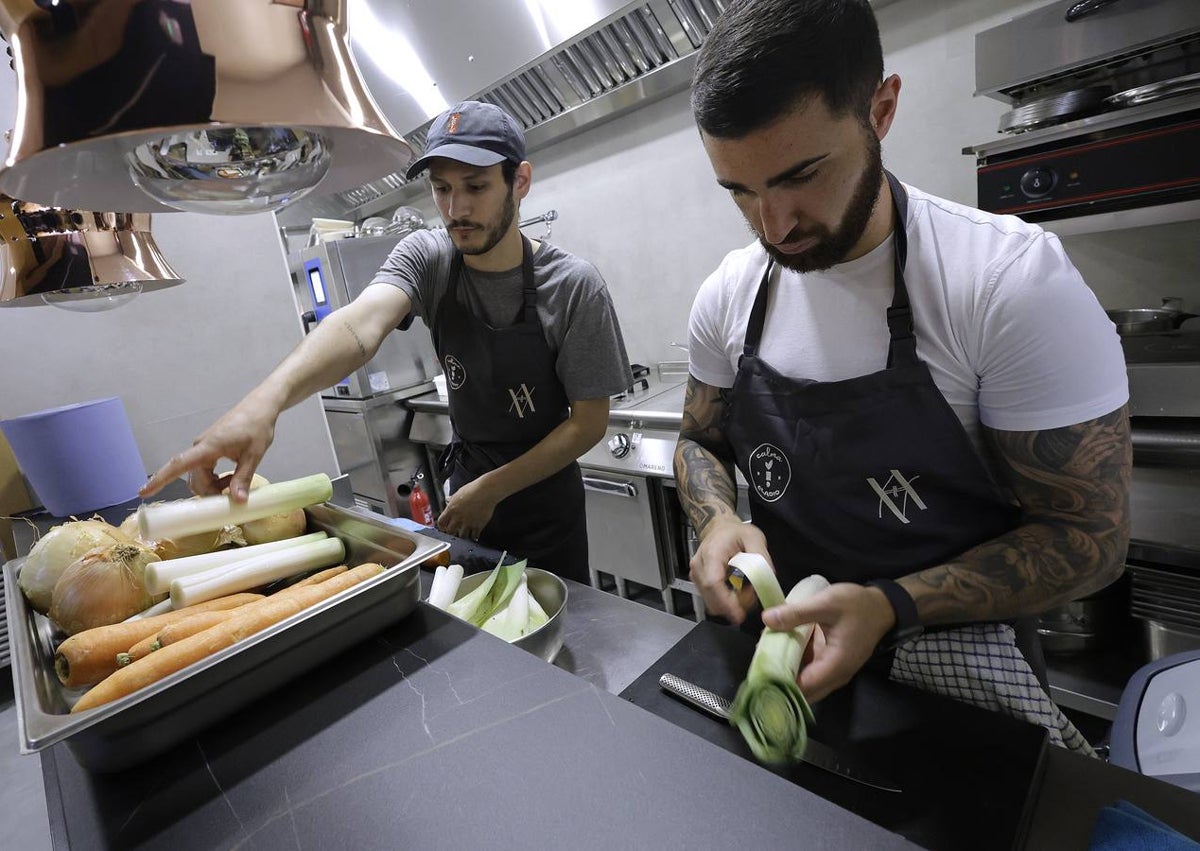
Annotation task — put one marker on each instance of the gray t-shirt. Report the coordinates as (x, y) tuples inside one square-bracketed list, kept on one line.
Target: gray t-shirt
[(573, 305)]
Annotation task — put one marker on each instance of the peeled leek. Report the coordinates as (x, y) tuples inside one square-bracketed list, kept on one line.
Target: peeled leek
[(511, 622), (769, 710), (491, 596), (204, 514), (445, 585), (501, 604)]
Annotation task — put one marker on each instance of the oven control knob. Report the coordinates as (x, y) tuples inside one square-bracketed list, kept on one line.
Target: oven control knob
[(1038, 181), (619, 445)]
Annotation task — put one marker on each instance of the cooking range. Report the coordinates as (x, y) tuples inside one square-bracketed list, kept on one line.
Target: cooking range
[(629, 528), (1104, 109), (637, 530)]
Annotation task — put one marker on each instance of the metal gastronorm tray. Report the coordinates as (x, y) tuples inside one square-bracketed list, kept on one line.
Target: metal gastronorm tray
[(134, 728)]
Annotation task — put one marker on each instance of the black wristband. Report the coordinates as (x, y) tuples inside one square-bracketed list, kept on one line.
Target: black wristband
[(905, 609)]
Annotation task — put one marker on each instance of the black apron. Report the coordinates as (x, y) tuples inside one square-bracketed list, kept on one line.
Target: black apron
[(868, 478), (505, 397)]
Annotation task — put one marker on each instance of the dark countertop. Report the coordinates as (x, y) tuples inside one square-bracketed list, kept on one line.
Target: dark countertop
[(433, 734)]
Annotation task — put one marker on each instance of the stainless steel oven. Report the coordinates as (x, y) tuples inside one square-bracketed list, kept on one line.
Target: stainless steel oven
[(1164, 554), (684, 540), (623, 479)]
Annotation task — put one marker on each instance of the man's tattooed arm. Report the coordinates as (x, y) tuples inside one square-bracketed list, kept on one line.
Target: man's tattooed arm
[(1072, 484), (703, 458)]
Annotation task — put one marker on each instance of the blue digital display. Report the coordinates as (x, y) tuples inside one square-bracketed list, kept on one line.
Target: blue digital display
[(316, 287)]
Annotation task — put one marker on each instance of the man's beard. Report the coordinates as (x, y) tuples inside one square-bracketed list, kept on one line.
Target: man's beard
[(492, 235), (833, 247)]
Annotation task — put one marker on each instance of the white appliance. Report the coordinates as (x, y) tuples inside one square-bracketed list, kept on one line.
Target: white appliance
[(1157, 728)]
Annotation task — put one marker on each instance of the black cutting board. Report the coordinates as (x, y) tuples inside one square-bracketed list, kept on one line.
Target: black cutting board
[(969, 776)]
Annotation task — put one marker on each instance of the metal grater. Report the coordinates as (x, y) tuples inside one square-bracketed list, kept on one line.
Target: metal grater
[(700, 698)]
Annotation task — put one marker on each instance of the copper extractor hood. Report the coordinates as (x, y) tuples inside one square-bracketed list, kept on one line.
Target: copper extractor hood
[(76, 260), (215, 106)]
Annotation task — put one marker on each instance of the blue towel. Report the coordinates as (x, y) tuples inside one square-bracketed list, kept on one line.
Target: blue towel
[(1124, 827), (404, 523)]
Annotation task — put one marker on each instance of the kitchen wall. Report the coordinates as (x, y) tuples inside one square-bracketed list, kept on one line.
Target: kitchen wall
[(636, 195), (180, 357)]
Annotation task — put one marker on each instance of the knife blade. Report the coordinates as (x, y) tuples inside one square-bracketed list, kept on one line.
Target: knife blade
[(815, 754)]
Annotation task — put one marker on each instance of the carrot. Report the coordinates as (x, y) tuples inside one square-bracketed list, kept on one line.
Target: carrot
[(87, 657), (179, 630), (319, 576), (137, 651), (203, 620), (442, 559), (254, 618)]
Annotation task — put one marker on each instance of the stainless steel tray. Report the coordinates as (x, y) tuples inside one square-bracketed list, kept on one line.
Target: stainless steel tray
[(141, 725)]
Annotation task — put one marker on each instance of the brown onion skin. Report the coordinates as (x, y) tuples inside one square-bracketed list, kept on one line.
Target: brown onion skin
[(277, 527), (104, 586)]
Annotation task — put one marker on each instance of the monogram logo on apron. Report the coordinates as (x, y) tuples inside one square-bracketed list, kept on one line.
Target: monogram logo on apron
[(770, 472), (456, 373), (897, 486), (522, 400)]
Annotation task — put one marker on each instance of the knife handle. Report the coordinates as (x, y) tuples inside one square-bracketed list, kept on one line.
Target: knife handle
[(713, 704)]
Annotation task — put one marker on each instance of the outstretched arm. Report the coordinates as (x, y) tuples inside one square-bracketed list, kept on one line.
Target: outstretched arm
[(340, 344)]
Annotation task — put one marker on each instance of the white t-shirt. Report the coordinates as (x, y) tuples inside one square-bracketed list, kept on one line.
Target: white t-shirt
[(1012, 335)]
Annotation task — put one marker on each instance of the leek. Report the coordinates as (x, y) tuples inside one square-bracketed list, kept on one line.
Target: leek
[(769, 710), (254, 572), (491, 596), (445, 585), (502, 604), (208, 513), (537, 615), (511, 622), (158, 580)]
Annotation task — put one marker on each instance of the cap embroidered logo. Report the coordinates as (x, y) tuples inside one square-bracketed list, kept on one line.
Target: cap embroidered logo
[(452, 123), (770, 472)]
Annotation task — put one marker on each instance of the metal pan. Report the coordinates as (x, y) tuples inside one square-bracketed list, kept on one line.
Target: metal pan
[(1147, 320), (551, 594), (134, 728)]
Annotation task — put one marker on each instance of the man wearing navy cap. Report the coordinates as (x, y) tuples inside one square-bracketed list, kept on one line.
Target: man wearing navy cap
[(525, 332)]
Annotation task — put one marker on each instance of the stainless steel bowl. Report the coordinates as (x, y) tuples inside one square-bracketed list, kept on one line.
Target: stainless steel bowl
[(1147, 320), (551, 594)]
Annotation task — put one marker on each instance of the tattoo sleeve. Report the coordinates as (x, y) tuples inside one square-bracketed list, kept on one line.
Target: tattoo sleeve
[(1072, 485), (703, 457)]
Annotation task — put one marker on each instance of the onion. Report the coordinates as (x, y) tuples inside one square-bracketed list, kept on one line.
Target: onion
[(188, 545), (55, 552), (277, 527), (105, 586)]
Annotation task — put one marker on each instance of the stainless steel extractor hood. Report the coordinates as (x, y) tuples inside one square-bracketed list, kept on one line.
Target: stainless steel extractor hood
[(557, 66), (76, 260), (209, 105)]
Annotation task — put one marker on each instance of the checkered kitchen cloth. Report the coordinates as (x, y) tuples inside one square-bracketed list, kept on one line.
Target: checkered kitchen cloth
[(981, 665)]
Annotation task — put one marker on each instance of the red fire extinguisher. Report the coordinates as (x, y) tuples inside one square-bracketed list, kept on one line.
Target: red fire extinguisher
[(418, 504)]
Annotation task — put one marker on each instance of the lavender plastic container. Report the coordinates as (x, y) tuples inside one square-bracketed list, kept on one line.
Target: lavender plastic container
[(78, 458)]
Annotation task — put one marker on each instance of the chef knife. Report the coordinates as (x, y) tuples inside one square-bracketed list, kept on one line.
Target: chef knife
[(815, 753)]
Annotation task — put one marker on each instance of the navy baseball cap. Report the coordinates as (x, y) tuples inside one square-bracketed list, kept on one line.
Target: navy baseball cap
[(473, 133)]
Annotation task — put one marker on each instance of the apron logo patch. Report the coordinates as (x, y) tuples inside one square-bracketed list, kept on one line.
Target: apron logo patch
[(770, 472), (456, 373), (522, 401), (897, 486)]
